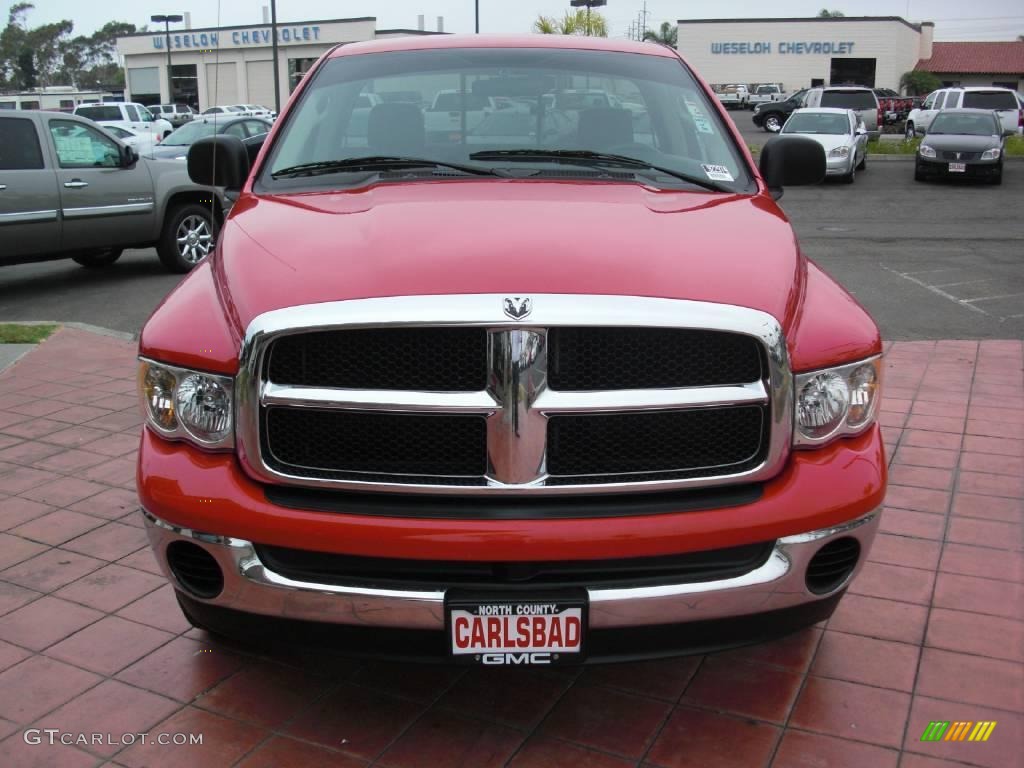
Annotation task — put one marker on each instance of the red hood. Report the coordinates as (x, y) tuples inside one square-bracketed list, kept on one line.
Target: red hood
[(515, 237)]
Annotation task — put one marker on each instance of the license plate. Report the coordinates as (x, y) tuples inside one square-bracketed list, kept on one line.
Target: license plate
[(958, 167), (496, 630)]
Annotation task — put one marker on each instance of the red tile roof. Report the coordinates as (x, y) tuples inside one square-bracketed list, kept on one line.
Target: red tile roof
[(980, 58)]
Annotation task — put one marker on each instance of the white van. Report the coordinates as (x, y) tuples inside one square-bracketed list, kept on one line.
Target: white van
[(1002, 101), (861, 100)]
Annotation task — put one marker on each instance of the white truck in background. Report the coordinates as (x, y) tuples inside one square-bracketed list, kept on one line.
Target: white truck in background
[(766, 92)]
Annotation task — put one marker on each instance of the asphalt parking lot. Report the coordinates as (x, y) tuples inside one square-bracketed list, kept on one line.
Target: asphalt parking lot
[(930, 261)]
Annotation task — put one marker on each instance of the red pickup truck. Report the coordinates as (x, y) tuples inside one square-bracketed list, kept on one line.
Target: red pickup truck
[(529, 398)]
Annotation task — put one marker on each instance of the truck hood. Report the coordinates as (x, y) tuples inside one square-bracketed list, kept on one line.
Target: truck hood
[(514, 237)]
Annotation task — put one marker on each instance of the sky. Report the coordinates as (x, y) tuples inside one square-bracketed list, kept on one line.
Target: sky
[(954, 19)]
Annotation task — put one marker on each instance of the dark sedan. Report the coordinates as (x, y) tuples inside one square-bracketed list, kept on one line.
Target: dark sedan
[(175, 146), (772, 115), (962, 143)]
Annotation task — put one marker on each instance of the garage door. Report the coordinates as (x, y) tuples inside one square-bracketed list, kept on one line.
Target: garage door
[(221, 84), (260, 76)]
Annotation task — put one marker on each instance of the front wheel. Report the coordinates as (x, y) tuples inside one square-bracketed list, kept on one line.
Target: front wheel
[(849, 178), (918, 176), (188, 237), (98, 259), (773, 122), (863, 164)]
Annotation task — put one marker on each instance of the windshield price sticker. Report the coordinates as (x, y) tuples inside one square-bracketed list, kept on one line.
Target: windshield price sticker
[(717, 172), (700, 120), (516, 632)]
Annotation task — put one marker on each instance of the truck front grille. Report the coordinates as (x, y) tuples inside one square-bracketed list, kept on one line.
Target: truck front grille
[(450, 395)]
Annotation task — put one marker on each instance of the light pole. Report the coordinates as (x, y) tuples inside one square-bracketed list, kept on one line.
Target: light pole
[(277, 74), (166, 21), (476, 6)]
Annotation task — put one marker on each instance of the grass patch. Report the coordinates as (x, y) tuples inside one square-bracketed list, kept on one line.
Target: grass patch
[(902, 147), (12, 333), (1015, 146)]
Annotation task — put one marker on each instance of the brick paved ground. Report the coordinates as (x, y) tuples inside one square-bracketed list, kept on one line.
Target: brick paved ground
[(92, 641)]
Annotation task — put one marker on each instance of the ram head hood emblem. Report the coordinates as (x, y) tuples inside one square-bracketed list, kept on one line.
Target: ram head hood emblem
[(518, 308)]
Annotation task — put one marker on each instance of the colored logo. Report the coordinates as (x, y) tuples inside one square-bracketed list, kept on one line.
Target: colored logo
[(944, 730)]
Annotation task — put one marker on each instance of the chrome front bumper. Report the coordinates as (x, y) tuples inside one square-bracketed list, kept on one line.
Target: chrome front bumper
[(251, 587)]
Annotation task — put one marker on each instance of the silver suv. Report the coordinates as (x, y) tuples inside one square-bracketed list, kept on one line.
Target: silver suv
[(71, 190), (861, 100)]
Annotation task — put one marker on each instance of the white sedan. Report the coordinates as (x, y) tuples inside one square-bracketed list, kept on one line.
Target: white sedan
[(841, 133)]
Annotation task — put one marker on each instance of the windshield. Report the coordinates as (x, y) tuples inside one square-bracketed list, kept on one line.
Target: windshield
[(989, 100), (969, 125), (849, 99), (189, 134), (820, 122), (561, 99)]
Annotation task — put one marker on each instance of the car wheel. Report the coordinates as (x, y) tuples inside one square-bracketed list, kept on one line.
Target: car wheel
[(918, 175), (773, 122), (863, 164), (909, 134), (188, 237), (849, 178), (98, 259), (998, 178)]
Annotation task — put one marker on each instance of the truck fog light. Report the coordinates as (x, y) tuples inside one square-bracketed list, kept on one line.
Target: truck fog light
[(204, 407), (822, 404), (863, 389), (157, 385)]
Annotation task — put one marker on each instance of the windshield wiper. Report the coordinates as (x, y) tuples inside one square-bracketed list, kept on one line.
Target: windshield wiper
[(376, 163), (586, 157)]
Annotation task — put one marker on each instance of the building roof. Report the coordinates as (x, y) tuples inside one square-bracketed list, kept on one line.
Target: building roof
[(1005, 58), (810, 19)]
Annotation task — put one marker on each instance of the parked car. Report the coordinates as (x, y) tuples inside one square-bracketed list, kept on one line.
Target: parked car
[(963, 143), (773, 116), (895, 107), (175, 146), (454, 111), (734, 96), (176, 114), (142, 143), (231, 111), (127, 115), (766, 93), (861, 100), (258, 111), (477, 403), (68, 189), (841, 134), (1002, 100)]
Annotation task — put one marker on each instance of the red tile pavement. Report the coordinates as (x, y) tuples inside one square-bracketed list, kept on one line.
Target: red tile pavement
[(91, 639)]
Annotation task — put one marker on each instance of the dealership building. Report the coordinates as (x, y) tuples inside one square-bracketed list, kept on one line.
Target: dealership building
[(234, 65), (868, 50)]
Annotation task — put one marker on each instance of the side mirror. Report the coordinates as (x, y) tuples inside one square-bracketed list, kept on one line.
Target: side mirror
[(219, 161), (791, 161), (861, 130), (129, 157)]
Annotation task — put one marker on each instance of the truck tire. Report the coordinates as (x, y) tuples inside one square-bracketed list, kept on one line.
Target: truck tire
[(189, 234), (98, 259), (773, 122)]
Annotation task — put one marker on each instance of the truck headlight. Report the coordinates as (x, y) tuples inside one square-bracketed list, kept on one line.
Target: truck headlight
[(182, 404), (839, 152), (991, 154), (926, 151), (834, 402)]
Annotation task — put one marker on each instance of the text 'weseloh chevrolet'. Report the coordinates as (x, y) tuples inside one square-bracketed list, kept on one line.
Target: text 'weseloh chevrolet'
[(508, 384)]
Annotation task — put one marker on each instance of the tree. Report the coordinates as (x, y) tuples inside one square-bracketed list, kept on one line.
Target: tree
[(917, 82), (825, 13), (578, 22), (668, 35)]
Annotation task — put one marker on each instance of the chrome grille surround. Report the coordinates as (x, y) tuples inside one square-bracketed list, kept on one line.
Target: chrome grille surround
[(517, 401)]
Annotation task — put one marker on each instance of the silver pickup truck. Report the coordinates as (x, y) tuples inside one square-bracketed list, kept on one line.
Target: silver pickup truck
[(68, 189)]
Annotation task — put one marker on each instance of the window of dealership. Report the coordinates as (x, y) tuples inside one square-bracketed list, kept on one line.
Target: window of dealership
[(799, 53), (234, 65)]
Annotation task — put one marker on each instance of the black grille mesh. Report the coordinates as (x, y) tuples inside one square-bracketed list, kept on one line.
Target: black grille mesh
[(432, 359), (662, 441), (354, 441), (587, 359)]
